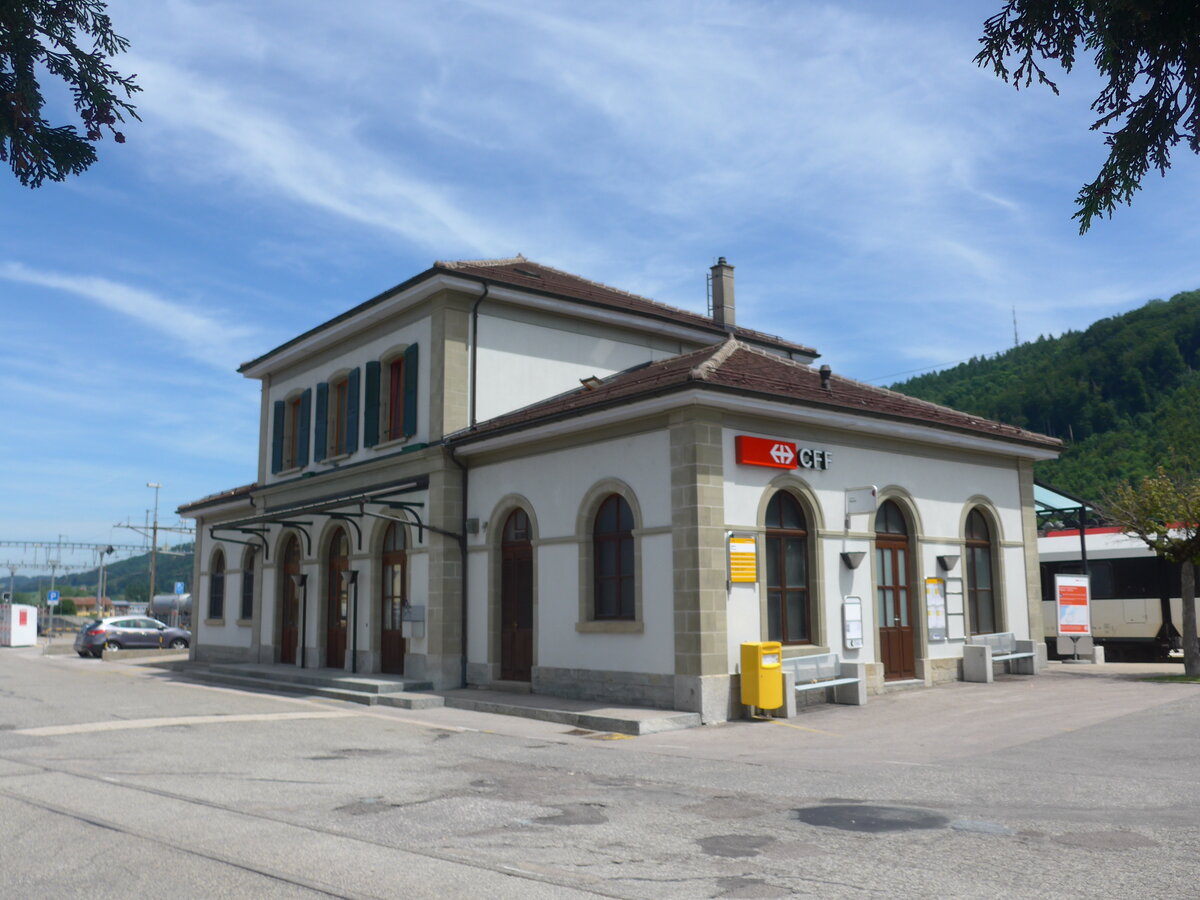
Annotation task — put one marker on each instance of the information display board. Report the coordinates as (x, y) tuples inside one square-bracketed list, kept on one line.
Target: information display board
[(852, 622), (935, 608), (1072, 596), (743, 559)]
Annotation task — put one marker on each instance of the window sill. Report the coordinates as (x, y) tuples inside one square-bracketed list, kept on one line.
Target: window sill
[(336, 460), (610, 626), (392, 443), (245, 623), (220, 621)]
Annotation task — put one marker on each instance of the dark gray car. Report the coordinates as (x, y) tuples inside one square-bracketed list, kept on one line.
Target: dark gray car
[(129, 633)]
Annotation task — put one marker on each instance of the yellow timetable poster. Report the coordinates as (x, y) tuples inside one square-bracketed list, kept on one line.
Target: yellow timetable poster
[(743, 560)]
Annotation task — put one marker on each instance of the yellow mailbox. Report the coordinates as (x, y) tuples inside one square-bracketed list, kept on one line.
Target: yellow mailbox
[(762, 674)]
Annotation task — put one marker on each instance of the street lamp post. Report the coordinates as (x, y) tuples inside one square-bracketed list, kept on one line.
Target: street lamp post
[(153, 549), (103, 551)]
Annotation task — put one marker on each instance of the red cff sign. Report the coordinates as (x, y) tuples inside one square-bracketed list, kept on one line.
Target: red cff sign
[(756, 451), (753, 451)]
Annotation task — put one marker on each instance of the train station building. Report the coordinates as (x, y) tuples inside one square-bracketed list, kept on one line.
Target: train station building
[(498, 474)]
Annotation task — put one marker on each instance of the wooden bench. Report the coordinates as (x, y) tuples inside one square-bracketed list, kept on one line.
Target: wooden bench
[(823, 671), (982, 650)]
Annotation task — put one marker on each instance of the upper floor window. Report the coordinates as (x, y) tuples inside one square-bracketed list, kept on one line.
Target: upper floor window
[(216, 586), (289, 437), (390, 412), (337, 416), (613, 560)]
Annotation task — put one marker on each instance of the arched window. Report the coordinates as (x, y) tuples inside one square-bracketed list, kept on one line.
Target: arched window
[(248, 562), (613, 562), (216, 586), (394, 598), (893, 593), (789, 612), (980, 594)]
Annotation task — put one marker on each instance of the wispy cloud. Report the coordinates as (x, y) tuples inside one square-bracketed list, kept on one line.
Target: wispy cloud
[(207, 338)]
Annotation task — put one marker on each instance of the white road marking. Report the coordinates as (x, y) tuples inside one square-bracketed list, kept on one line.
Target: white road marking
[(124, 724)]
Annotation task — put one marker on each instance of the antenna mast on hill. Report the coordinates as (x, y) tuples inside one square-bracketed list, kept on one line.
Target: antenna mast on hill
[(1015, 341)]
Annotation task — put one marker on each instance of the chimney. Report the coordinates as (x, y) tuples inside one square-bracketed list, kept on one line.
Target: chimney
[(722, 293)]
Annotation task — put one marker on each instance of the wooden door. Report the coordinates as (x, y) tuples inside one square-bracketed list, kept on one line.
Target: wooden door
[(289, 604), (516, 600), (394, 596), (894, 607), (337, 602)]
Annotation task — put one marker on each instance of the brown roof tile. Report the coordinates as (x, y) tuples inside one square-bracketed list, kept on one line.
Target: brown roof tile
[(734, 366), (520, 272), (219, 497)]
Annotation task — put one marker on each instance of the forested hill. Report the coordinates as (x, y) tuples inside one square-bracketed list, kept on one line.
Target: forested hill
[(1121, 394)]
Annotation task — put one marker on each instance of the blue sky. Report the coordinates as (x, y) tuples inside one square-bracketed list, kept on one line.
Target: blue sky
[(882, 198)]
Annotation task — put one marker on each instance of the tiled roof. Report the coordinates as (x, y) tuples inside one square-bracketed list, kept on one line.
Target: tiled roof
[(736, 367), (519, 272), (219, 497)]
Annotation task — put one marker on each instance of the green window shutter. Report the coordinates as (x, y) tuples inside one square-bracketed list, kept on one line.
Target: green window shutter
[(410, 390), (277, 437), (302, 427), (322, 423), (371, 410), (352, 410)]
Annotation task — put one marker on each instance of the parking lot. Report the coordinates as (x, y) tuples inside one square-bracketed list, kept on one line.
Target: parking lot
[(1082, 780)]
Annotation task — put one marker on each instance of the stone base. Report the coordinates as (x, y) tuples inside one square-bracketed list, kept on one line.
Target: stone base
[(445, 672), (943, 671), (623, 688), (215, 653), (715, 697)]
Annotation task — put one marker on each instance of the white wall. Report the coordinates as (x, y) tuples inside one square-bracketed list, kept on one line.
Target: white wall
[(555, 484), (354, 356), (942, 486), (522, 362)]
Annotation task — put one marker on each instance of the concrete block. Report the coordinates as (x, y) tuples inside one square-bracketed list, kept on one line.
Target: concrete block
[(788, 710), (977, 663), (1097, 654), (853, 694), (1031, 666)]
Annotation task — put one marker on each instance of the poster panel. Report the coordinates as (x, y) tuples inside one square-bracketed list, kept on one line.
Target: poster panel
[(1072, 594), (935, 608)]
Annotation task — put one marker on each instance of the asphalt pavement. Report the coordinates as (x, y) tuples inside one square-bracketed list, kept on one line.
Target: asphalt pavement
[(121, 780)]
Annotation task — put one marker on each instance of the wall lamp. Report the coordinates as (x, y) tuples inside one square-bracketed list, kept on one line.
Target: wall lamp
[(852, 559), (948, 561)]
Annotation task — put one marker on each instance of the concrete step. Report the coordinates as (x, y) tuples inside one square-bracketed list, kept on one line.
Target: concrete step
[(323, 678), (256, 683), (411, 701), (580, 714)]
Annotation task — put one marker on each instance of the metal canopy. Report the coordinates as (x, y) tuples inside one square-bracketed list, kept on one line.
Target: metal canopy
[(335, 508)]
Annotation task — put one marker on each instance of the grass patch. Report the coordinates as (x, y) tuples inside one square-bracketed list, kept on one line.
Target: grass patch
[(1175, 679)]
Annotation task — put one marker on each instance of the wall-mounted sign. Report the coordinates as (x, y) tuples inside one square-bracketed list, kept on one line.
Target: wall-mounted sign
[(935, 608), (852, 622), (743, 559), (1072, 593), (756, 451)]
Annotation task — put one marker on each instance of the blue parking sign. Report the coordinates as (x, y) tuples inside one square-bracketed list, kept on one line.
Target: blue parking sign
[(179, 587), (51, 598)]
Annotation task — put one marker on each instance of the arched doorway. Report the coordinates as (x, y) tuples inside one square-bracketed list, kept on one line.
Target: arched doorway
[(394, 597), (516, 599), (289, 603), (894, 595), (337, 601)]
